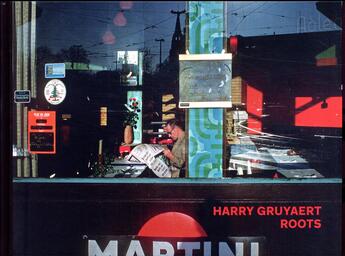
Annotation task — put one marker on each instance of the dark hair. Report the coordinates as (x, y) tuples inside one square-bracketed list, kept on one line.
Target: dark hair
[(175, 122)]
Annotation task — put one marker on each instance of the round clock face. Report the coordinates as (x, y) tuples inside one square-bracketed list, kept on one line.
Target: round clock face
[(55, 91)]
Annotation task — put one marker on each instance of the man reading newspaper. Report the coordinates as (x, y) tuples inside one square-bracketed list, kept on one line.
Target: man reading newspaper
[(152, 156), (162, 161)]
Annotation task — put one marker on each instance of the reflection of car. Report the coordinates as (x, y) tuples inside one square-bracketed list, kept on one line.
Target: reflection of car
[(246, 161), (250, 161), (132, 80)]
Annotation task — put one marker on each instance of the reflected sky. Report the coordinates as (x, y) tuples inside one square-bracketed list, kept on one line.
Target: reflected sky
[(268, 18), (103, 28)]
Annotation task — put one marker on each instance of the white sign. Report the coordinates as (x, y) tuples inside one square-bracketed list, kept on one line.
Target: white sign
[(205, 80), (127, 57), (55, 91)]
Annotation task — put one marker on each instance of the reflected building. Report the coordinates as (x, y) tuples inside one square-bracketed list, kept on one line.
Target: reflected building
[(178, 41), (290, 86), (169, 73)]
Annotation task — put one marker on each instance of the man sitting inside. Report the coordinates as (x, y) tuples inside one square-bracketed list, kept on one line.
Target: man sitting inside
[(177, 155)]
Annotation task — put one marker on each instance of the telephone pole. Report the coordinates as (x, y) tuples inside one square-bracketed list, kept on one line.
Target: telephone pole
[(178, 12)]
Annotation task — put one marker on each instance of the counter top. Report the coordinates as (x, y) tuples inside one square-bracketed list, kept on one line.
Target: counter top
[(179, 180)]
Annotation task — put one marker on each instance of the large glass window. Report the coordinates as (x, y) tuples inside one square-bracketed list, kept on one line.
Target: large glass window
[(84, 71)]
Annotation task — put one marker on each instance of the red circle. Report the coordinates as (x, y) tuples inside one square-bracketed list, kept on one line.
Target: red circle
[(126, 5), (108, 38), (172, 224), (120, 19)]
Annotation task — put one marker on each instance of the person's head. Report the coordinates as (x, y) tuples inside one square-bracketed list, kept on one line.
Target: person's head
[(174, 129)]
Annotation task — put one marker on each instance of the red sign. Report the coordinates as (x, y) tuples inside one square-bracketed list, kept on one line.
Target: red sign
[(42, 132), (175, 234), (312, 112)]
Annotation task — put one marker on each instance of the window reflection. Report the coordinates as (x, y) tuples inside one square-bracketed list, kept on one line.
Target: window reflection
[(286, 87)]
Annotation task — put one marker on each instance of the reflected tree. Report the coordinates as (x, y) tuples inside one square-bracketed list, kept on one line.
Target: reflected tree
[(74, 54), (45, 54)]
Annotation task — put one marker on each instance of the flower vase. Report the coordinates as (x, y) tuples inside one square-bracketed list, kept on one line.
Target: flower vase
[(128, 134)]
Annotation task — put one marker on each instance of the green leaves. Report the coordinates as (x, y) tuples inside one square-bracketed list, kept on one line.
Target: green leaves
[(132, 110)]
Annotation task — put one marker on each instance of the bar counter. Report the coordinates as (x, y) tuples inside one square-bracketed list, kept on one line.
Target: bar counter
[(70, 212)]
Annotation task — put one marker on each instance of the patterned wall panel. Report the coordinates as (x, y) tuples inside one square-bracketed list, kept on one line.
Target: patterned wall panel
[(205, 142), (206, 30)]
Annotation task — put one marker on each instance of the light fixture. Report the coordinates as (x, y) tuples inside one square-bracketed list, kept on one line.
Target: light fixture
[(324, 104)]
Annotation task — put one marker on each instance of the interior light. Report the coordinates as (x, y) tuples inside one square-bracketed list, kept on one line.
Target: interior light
[(233, 43)]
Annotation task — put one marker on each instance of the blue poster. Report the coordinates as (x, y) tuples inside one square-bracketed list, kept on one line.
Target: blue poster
[(54, 70)]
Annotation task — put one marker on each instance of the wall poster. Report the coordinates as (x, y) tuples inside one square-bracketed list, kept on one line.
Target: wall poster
[(205, 80), (42, 132)]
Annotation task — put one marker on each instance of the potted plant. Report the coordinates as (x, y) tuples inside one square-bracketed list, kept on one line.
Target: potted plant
[(100, 169), (131, 119)]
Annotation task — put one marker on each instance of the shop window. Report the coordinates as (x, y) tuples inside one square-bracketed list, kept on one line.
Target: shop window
[(95, 67)]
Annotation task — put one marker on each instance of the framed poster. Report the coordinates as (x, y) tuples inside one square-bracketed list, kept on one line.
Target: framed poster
[(205, 80)]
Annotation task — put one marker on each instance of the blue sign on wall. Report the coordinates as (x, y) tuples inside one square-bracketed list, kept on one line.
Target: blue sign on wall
[(54, 70), (22, 96)]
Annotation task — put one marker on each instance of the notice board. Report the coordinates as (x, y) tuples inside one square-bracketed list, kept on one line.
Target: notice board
[(205, 80), (42, 132)]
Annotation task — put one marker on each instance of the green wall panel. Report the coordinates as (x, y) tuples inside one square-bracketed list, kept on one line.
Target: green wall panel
[(206, 30)]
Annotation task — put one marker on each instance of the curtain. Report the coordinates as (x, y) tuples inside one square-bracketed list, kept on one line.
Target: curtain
[(25, 79)]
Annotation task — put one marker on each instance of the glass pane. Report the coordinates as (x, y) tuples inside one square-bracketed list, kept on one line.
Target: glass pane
[(79, 65)]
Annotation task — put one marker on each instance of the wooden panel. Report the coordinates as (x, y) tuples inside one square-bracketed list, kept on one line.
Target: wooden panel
[(168, 107), (167, 97), (229, 125), (237, 90), (167, 117)]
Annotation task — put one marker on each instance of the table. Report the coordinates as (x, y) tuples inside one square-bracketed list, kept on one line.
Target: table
[(122, 168)]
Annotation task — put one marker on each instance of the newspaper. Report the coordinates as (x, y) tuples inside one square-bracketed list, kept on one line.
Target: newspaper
[(149, 154)]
